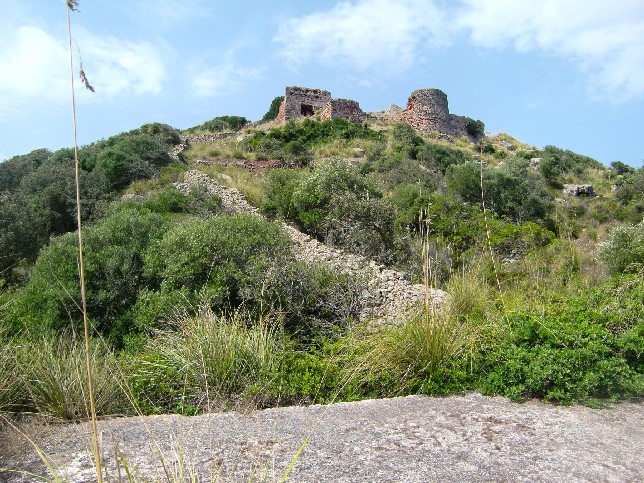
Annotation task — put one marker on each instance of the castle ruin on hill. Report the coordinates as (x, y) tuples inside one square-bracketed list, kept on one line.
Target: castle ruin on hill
[(427, 110), (302, 102)]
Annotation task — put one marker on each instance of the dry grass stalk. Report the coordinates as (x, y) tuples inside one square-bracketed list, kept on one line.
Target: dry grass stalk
[(72, 6)]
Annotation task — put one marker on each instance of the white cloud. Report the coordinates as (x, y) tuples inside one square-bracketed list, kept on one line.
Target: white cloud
[(366, 34), (118, 67), (218, 80), (605, 39), (34, 67)]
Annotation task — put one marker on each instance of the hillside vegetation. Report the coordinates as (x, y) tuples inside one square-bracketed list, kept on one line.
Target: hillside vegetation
[(194, 307)]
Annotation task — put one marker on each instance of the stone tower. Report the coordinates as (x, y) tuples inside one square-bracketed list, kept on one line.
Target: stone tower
[(427, 111)]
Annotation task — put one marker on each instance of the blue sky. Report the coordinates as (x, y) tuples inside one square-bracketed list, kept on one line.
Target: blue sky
[(563, 72)]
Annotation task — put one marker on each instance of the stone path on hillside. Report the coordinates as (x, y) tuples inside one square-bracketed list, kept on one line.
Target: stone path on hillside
[(388, 292), (412, 439)]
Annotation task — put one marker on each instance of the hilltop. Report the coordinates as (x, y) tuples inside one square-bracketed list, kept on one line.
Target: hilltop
[(321, 254)]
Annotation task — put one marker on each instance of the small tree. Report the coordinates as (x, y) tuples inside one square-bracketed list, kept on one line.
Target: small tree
[(475, 128), (274, 109)]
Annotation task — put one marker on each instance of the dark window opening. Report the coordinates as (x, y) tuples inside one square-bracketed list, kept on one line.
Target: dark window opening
[(306, 110)]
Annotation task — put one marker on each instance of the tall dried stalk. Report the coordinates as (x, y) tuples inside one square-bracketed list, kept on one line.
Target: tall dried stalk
[(487, 226), (72, 6)]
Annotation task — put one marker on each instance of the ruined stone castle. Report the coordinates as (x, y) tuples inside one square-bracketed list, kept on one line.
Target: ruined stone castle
[(304, 102), (426, 111)]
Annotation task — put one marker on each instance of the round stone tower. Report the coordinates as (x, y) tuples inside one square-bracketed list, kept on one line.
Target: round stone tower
[(427, 111)]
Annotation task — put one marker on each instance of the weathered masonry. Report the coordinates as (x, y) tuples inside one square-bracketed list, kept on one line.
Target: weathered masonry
[(427, 110), (302, 102)]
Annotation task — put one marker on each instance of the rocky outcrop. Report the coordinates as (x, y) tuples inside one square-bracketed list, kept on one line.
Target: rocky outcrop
[(176, 152), (388, 292), (579, 190)]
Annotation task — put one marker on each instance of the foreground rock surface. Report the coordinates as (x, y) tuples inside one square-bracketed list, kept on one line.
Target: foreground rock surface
[(410, 439)]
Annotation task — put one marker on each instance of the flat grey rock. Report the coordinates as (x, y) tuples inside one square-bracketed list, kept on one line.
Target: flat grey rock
[(410, 439)]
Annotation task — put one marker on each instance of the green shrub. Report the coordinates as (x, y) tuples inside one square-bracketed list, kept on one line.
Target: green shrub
[(195, 252), (564, 357), (513, 190), (569, 161), (409, 171), (113, 270), (131, 158), (309, 133), (440, 157), (278, 188), (273, 110), (14, 169), (624, 249), (621, 168), (164, 134), (171, 201), (404, 142), (221, 123), (632, 187), (475, 128), (311, 300), (312, 199)]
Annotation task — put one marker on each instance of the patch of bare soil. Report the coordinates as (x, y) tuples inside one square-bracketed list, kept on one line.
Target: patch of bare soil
[(411, 439)]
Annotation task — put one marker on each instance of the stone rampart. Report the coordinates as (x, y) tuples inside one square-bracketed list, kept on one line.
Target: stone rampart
[(389, 292), (346, 109), (177, 151)]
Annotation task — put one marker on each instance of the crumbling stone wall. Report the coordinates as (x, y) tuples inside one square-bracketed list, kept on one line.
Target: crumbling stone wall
[(458, 125), (176, 152), (389, 293), (344, 109), (303, 102)]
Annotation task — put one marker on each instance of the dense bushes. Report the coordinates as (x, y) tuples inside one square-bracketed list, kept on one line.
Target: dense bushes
[(39, 195), (513, 190), (293, 141), (113, 268), (202, 310), (131, 158), (221, 123), (475, 128), (589, 347), (337, 204), (624, 249), (140, 270)]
